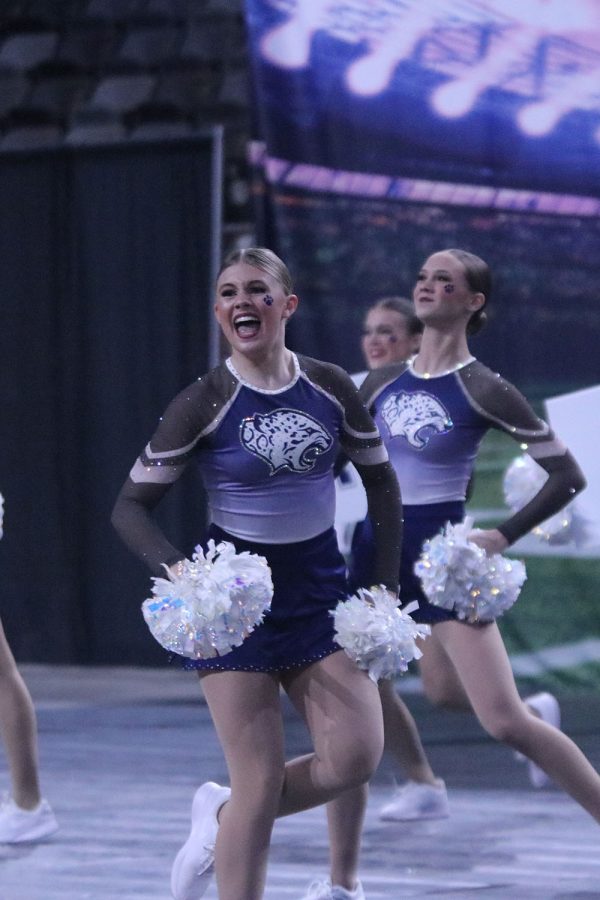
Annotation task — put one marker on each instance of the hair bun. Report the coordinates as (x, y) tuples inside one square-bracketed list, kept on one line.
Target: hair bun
[(477, 321)]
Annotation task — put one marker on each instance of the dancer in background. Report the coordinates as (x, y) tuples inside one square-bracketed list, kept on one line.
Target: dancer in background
[(433, 412), (392, 334), (24, 814), (265, 428)]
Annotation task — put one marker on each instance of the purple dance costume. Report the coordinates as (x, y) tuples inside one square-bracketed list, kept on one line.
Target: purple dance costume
[(266, 459), (432, 428)]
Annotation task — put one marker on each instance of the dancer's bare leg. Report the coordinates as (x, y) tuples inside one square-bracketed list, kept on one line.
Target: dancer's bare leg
[(345, 813), (481, 662), (18, 729), (402, 737), (246, 711), (340, 706), (345, 820), (441, 681), (333, 735)]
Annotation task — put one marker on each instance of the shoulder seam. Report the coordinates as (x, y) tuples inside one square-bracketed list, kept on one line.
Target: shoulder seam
[(490, 417)]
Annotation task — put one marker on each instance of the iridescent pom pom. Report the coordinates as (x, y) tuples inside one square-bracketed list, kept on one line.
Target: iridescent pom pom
[(458, 575), (376, 633), (1, 515), (220, 597), (522, 480)]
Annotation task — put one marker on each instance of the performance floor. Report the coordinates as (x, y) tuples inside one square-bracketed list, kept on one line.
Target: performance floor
[(122, 751)]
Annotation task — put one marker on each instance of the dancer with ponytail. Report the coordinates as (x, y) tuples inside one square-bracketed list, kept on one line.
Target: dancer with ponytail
[(265, 428), (432, 413)]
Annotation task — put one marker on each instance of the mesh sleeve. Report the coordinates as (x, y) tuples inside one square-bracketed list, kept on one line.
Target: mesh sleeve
[(565, 479), (159, 465), (385, 513), (505, 408)]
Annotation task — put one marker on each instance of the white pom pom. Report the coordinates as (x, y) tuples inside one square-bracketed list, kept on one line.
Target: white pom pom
[(457, 574), (1, 515), (376, 633), (522, 481), (220, 597)]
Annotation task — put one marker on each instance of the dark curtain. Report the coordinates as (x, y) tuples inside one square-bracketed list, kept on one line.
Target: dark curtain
[(105, 270)]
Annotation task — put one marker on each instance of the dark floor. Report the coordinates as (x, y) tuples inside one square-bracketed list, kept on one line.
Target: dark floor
[(122, 751)]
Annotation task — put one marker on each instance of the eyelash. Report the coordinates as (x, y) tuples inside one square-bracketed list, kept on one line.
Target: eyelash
[(444, 278), (253, 290), (385, 332)]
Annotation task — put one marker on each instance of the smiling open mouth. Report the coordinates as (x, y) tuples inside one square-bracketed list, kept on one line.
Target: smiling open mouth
[(247, 326)]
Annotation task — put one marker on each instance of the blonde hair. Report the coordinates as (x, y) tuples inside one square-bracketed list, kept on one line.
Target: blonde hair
[(263, 259)]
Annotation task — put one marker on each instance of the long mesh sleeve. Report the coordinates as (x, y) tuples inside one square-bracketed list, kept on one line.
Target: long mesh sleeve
[(157, 468), (565, 479), (506, 409), (385, 513), (132, 518)]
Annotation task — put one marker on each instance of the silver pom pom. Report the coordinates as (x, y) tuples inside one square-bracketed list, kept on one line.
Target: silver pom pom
[(1, 515), (522, 481), (376, 633), (457, 574), (219, 598)]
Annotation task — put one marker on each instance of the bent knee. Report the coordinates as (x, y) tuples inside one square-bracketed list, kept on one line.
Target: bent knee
[(354, 767), (364, 765), (439, 694), (507, 728)]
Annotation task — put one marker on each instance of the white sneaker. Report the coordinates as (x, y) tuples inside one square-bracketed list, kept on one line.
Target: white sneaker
[(194, 864), (19, 825), (417, 800), (547, 708), (325, 890)]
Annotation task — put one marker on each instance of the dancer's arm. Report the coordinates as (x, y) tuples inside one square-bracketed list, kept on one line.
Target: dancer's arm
[(158, 467), (507, 410), (363, 446)]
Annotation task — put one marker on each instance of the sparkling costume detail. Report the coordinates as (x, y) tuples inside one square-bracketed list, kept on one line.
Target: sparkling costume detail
[(266, 459), (432, 428)]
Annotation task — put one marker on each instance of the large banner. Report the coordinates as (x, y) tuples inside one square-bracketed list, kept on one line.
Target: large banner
[(386, 130), (392, 128), (483, 93)]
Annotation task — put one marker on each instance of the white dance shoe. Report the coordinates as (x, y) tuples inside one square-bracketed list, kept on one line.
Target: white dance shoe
[(194, 864)]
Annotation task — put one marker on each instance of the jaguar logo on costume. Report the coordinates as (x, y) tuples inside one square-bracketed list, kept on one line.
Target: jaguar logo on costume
[(415, 416), (285, 439)]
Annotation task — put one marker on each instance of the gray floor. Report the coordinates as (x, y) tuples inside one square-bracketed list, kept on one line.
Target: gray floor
[(123, 749)]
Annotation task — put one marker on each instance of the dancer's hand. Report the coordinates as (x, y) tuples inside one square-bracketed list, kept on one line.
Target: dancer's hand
[(176, 570), (393, 595), (492, 540)]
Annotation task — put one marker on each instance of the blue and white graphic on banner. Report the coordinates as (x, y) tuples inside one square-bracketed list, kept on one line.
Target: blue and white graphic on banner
[(496, 92)]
